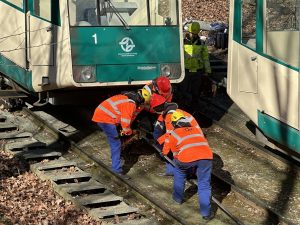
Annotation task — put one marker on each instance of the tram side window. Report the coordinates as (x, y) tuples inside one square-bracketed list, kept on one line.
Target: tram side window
[(249, 23), (42, 9), (18, 3), (282, 31)]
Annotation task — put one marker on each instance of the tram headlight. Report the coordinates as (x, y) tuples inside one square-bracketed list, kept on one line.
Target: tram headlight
[(165, 70), (84, 74), (171, 70)]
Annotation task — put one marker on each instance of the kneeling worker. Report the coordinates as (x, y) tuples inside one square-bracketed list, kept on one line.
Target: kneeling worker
[(190, 150)]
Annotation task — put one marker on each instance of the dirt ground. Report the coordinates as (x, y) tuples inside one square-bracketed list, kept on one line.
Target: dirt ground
[(21, 191), (206, 10)]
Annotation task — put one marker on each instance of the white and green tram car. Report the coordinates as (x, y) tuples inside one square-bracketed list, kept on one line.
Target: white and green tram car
[(59, 48), (263, 68)]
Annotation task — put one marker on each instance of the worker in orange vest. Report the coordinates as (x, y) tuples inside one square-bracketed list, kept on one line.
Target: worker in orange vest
[(190, 150), (118, 110), (161, 86), (163, 126)]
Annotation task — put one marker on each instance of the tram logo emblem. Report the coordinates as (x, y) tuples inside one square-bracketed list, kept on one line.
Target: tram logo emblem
[(127, 44)]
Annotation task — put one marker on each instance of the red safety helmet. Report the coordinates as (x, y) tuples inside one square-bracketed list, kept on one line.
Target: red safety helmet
[(163, 85), (157, 102)]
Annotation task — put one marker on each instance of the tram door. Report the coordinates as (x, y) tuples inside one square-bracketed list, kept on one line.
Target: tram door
[(248, 58), (41, 33)]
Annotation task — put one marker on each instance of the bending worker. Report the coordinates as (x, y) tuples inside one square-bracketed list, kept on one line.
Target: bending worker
[(196, 61), (190, 150), (164, 126), (118, 110), (159, 86)]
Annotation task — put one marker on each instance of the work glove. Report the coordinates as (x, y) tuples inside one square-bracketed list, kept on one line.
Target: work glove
[(126, 133)]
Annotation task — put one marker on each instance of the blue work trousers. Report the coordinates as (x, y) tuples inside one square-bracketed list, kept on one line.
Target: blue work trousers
[(157, 132), (203, 168), (115, 145)]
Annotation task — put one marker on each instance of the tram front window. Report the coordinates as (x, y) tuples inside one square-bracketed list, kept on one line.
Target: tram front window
[(123, 12)]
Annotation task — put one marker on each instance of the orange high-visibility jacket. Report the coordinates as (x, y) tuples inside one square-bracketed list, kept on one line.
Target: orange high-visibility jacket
[(169, 126), (118, 109), (150, 87), (187, 145)]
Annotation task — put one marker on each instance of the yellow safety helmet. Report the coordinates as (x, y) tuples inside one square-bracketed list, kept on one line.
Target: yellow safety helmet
[(146, 95), (194, 28), (177, 115)]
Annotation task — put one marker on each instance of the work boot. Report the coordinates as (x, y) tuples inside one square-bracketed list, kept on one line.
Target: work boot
[(209, 217), (124, 176)]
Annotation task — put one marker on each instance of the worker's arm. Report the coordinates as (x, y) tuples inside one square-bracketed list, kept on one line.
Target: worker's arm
[(127, 116), (169, 144)]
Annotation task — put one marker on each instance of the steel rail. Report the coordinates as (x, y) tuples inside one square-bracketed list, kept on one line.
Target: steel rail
[(219, 204), (106, 168), (244, 139)]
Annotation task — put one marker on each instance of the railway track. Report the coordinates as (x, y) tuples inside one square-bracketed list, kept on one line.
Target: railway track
[(274, 169), (68, 179), (81, 155), (252, 185), (281, 169)]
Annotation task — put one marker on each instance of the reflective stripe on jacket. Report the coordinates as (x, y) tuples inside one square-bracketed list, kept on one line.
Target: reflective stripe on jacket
[(169, 126), (187, 145), (118, 109), (196, 56)]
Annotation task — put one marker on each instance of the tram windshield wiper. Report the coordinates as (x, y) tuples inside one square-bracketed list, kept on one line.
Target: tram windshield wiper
[(120, 17)]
